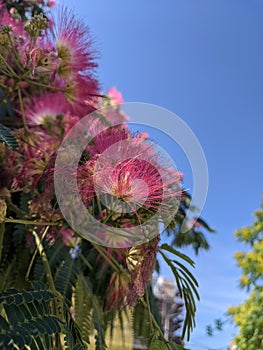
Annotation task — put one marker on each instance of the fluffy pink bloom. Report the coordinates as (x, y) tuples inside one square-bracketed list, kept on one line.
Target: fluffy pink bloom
[(51, 3), (131, 171), (115, 96), (44, 109), (143, 135), (128, 170), (6, 19), (75, 62), (134, 181), (37, 149), (85, 181), (103, 140), (80, 91), (115, 116), (73, 43)]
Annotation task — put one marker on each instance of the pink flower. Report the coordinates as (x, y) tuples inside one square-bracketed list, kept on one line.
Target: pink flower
[(85, 181), (74, 44), (103, 140), (129, 178), (115, 96), (115, 116), (51, 3), (132, 172), (6, 19), (44, 109), (143, 135), (80, 91), (37, 149), (134, 181), (68, 237)]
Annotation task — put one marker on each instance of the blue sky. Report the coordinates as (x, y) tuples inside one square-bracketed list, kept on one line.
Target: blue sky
[(201, 59)]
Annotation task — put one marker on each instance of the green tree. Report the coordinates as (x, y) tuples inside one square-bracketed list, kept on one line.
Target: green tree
[(249, 316)]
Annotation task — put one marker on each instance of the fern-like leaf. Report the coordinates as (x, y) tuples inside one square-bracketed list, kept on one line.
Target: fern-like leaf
[(83, 310), (186, 284), (98, 318), (26, 320), (7, 138)]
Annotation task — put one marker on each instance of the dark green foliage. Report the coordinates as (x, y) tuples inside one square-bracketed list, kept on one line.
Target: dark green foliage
[(83, 309), (15, 258), (188, 236), (6, 110), (186, 284), (28, 319), (98, 317), (140, 317), (7, 138), (64, 268)]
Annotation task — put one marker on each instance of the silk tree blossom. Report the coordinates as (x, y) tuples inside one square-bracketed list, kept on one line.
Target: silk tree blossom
[(113, 103), (51, 3), (127, 176), (46, 108), (106, 138), (7, 19), (73, 44), (37, 149), (115, 96), (81, 92), (134, 181), (131, 171), (64, 62)]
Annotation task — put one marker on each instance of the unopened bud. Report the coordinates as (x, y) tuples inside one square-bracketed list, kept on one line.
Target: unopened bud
[(6, 29), (35, 25)]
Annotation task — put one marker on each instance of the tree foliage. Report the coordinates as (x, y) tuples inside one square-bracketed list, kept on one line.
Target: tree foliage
[(249, 316)]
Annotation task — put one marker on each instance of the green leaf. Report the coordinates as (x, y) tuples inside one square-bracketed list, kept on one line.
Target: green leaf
[(205, 225), (158, 345), (7, 138), (186, 284), (175, 346), (171, 250)]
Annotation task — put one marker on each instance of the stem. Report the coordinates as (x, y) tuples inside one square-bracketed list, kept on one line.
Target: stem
[(85, 261), (99, 206), (22, 109), (149, 309), (44, 85), (29, 222), (50, 281), (2, 231), (34, 256), (15, 208), (45, 260), (107, 257), (17, 58), (13, 73)]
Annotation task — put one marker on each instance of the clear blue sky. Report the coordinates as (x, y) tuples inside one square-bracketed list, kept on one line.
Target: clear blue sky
[(203, 60)]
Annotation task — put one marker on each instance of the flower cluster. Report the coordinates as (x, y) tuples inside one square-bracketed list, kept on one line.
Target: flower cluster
[(48, 83)]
